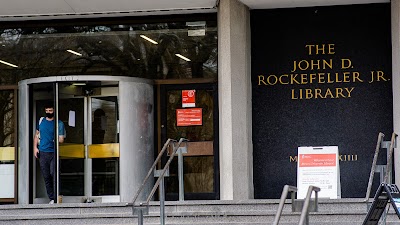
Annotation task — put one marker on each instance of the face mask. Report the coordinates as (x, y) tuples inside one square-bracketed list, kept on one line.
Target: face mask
[(49, 115)]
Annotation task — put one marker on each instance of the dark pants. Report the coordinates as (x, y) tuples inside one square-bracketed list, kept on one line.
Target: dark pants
[(47, 167)]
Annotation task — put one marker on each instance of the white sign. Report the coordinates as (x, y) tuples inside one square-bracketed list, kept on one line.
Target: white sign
[(318, 166), (7, 180)]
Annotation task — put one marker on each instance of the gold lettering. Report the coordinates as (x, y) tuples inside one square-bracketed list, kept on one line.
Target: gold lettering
[(312, 77), (293, 79), (380, 75), (339, 91), (346, 77), (317, 49), (294, 66), (280, 79), (318, 93), (346, 63), (337, 78), (309, 49), (356, 76), (326, 63), (261, 80), (315, 64), (303, 78), (293, 159), (303, 67), (320, 48), (331, 47), (349, 91), (272, 83), (293, 97), (321, 78), (309, 93), (329, 79), (328, 91)]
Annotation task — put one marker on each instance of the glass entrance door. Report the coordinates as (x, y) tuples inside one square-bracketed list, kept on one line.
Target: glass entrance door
[(191, 111), (103, 150), (88, 159)]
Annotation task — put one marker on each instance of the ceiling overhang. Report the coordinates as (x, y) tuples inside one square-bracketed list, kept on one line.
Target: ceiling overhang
[(272, 4), (16, 10), (68, 9)]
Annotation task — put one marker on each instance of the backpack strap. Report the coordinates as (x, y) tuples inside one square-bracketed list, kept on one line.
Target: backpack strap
[(40, 120)]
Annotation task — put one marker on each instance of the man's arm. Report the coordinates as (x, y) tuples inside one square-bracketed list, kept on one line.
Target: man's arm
[(61, 131), (61, 138), (35, 144)]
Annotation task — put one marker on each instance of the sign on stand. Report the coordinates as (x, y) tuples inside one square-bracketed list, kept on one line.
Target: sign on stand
[(318, 166), (386, 193)]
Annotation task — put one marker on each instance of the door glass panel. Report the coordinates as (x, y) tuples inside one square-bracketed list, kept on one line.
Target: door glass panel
[(104, 150), (72, 151), (199, 161), (7, 143)]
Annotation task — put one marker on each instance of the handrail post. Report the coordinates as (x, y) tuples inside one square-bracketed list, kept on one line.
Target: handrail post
[(373, 167), (286, 190), (304, 212), (162, 202), (180, 152), (140, 217), (388, 173)]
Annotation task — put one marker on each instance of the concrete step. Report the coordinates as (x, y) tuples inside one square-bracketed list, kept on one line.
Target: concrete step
[(252, 212)]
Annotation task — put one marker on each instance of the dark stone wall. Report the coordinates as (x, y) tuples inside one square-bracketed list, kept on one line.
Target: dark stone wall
[(329, 101)]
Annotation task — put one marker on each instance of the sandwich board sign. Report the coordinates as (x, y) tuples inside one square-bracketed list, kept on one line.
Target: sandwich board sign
[(318, 166), (386, 193)]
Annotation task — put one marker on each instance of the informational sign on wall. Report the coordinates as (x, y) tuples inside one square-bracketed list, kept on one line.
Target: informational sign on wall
[(188, 98), (189, 117), (318, 166)]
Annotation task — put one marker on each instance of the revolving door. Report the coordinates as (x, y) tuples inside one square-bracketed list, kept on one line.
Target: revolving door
[(108, 137)]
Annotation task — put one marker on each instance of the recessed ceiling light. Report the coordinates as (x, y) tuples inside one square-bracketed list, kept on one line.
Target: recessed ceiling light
[(79, 84), (183, 57), (149, 39), (74, 52), (8, 64)]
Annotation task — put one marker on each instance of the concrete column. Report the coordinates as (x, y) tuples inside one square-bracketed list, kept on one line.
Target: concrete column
[(234, 92), (395, 8)]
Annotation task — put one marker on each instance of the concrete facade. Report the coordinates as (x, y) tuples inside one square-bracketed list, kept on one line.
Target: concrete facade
[(234, 87), (395, 11)]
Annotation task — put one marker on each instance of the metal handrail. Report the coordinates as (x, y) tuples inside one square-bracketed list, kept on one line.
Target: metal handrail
[(304, 212), (286, 190), (390, 159), (151, 169), (373, 167), (159, 180)]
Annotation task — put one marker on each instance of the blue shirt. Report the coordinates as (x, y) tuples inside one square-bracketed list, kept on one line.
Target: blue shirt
[(46, 129)]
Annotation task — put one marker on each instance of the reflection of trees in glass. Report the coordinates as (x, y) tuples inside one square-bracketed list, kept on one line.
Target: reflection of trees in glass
[(112, 50), (7, 116)]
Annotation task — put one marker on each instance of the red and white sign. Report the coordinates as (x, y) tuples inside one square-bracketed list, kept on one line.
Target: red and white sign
[(318, 166), (189, 117), (188, 98)]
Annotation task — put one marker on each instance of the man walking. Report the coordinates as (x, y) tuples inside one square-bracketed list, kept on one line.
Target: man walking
[(44, 143)]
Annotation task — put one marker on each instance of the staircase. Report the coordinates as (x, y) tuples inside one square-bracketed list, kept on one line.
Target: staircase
[(249, 212)]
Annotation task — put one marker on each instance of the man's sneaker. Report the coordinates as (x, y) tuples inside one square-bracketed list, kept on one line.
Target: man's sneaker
[(51, 202)]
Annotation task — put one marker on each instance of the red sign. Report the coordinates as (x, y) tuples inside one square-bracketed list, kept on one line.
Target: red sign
[(189, 117), (188, 98), (320, 160)]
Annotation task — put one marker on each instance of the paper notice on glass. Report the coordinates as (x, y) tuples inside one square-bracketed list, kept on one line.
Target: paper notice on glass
[(71, 118), (7, 180), (318, 166)]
